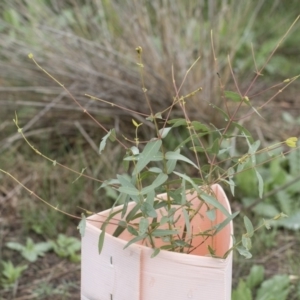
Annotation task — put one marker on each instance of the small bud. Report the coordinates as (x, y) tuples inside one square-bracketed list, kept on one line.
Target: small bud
[(291, 142), (139, 50), (30, 55)]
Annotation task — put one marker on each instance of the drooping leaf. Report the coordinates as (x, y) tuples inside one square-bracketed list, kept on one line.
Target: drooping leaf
[(104, 139), (82, 224), (177, 156), (155, 252), (221, 225), (135, 240)]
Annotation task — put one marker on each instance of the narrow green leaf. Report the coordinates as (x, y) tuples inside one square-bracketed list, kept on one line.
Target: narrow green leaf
[(159, 180), (211, 214), (233, 96), (143, 225), (260, 184), (187, 222), (132, 230), (148, 210), (221, 225), (188, 179), (176, 156), (244, 131), (103, 141), (249, 226), (82, 224), (198, 126), (164, 132), (183, 192), (155, 252), (101, 238), (155, 170), (122, 225), (149, 152), (133, 212), (135, 240), (163, 232), (215, 146), (214, 202)]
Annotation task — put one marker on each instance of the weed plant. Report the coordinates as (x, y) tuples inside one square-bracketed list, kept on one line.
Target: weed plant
[(150, 167)]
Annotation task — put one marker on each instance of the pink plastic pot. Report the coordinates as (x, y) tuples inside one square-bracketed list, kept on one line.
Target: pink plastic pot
[(131, 274)]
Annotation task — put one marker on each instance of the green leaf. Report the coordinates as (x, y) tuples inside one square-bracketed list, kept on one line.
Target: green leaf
[(249, 226), (243, 251), (260, 184), (131, 215), (135, 240), (277, 287), (246, 241), (233, 96), (143, 226), (188, 179), (148, 210), (150, 198), (214, 202), (178, 122), (101, 238), (244, 131), (164, 132), (132, 230), (155, 170), (221, 225), (149, 152), (198, 126), (155, 252), (187, 222), (82, 224), (127, 187), (242, 292), (211, 214), (171, 163), (215, 146), (163, 232), (104, 139), (256, 277), (225, 116), (159, 180), (176, 156)]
